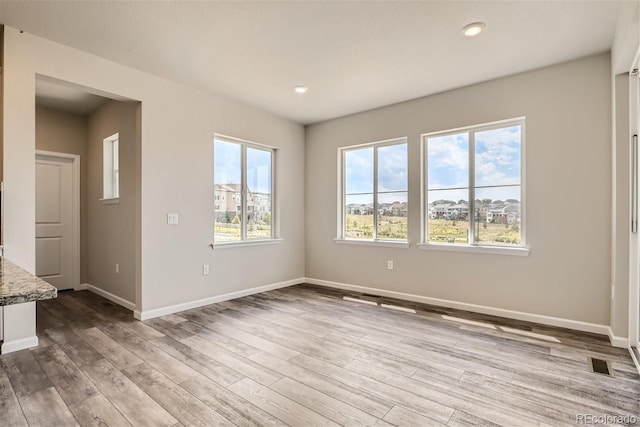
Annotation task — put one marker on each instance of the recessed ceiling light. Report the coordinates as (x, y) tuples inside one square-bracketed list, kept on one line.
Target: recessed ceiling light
[(473, 29), (300, 89)]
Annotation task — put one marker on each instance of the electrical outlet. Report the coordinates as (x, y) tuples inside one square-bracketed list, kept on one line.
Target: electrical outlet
[(117, 268), (205, 270), (389, 265), (172, 219)]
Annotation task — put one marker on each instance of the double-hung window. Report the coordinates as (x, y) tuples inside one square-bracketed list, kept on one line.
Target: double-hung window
[(374, 204), (243, 191), (474, 185)]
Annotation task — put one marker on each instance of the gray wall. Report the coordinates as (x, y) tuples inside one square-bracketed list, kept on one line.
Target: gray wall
[(177, 126), (112, 227), (64, 132), (568, 196)]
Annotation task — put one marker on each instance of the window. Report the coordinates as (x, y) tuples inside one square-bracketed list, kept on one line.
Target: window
[(474, 192), (243, 183), (110, 168), (374, 192)]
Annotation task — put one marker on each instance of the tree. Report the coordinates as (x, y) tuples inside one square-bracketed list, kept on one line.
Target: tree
[(236, 220), (227, 218)]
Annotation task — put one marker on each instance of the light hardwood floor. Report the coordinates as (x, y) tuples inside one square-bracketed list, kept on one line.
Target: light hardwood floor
[(303, 356)]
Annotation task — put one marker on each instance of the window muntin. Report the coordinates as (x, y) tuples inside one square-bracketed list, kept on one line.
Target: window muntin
[(110, 168), (374, 196), (474, 185), (243, 188)]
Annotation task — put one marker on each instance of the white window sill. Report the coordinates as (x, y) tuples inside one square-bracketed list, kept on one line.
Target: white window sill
[(245, 243), (492, 250), (112, 201), (380, 243)]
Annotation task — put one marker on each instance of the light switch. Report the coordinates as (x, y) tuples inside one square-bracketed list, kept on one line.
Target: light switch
[(172, 219)]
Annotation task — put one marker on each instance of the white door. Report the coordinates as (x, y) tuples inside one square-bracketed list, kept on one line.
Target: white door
[(54, 221)]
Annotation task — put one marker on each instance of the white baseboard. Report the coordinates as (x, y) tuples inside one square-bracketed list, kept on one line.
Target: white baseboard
[(16, 345), (149, 314), (108, 295), (510, 314), (616, 341), (82, 287), (635, 359)]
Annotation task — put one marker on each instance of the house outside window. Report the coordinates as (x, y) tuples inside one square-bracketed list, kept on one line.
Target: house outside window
[(243, 184), (474, 187), (374, 192)]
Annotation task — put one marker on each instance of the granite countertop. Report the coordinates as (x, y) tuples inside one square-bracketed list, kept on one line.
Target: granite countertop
[(18, 285)]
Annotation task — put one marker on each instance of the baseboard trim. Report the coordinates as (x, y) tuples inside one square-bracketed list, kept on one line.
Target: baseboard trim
[(510, 314), (111, 297), (635, 359), (82, 287), (17, 345), (150, 314), (616, 341)]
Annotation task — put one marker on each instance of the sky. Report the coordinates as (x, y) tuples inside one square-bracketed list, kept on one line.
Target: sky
[(497, 162), (226, 166), (392, 174)]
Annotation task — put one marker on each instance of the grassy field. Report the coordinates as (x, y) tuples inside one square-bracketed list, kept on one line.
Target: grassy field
[(231, 232), (440, 230), (389, 227), (443, 230)]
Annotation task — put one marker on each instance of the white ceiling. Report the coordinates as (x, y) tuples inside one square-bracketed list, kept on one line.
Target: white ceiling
[(354, 56)]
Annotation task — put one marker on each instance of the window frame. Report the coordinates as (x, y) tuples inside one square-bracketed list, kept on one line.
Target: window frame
[(244, 241), (520, 249), (111, 169), (342, 195)]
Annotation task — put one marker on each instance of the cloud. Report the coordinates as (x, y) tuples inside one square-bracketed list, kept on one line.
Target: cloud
[(359, 170), (498, 156), (392, 168), (448, 161)]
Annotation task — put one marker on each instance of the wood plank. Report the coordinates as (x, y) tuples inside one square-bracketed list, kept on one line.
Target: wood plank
[(152, 355), (180, 403), (247, 338), (199, 362), (358, 398), (450, 396), (290, 338), (76, 348), (99, 412), (10, 410), (224, 341), (233, 407), (279, 406), (70, 382), (24, 373), (462, 419), (128, 398), (119, 356), (234, 361), (326, 406), (436, 411), (168, 328), (46, 408), (402, 417)]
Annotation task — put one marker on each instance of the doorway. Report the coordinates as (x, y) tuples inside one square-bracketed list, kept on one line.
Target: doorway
[(58, 219)]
